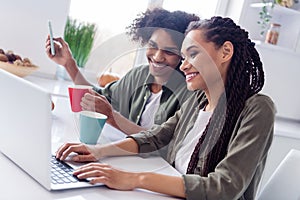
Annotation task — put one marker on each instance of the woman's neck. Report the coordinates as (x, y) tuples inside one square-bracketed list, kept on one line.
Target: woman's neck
[(213, 96)]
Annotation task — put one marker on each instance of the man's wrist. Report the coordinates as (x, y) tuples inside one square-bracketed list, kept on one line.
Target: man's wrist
[(111, 119), (70, 64)]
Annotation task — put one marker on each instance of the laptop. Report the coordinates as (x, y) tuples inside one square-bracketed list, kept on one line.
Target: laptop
[(25, 132)]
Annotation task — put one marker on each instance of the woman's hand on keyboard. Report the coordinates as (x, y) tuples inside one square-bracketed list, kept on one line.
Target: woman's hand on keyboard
[(83, 152)]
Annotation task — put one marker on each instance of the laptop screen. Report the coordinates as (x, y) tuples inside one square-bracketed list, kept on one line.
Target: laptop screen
[(26, 130), (25, 133)]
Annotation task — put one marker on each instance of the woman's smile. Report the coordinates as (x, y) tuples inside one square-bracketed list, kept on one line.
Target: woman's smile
[(190, 76)]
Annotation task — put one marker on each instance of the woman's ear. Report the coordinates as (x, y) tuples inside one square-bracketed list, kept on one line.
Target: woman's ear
[(227, 51)]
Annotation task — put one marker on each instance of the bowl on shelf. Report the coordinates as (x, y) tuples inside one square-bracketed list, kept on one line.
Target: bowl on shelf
[(18, 70)]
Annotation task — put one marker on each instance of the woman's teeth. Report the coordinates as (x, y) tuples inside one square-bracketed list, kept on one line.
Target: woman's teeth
[(189, 76)]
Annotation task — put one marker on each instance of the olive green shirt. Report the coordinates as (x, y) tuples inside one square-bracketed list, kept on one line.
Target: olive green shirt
[(236, 176), (129, 95)]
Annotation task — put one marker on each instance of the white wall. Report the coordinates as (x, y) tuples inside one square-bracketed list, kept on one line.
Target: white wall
[(234, 9), (282, 70), (24, 28)]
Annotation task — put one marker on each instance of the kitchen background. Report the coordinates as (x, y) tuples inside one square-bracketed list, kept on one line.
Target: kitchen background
[(23, 27)]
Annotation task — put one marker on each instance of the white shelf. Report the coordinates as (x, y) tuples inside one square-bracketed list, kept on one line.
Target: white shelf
[(285, 11), (259, 5), (275, 47), (289, 40)]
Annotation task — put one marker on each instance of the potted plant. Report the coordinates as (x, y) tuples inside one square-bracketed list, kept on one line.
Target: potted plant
[(265, 15), (80, 37)]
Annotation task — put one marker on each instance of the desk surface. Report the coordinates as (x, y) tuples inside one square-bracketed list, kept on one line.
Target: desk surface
[(16, 184), (54, 86)]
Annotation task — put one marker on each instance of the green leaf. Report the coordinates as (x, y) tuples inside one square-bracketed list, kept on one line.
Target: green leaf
[(80, 37)]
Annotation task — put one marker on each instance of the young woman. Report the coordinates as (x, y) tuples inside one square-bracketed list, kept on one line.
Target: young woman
[(220, 137), (148, 94)]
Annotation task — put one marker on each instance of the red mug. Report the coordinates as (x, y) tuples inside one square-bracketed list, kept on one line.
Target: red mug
[(76, 92)]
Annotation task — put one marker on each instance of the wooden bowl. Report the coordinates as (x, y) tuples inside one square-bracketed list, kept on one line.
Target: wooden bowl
[(18, 70)]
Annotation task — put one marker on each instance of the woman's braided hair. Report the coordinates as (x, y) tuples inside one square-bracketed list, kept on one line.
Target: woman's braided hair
[(245, 77)]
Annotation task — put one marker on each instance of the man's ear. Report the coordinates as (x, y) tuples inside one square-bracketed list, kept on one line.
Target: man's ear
[(227, 51)]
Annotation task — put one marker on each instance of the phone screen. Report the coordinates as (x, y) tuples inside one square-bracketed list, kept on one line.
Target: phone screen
[(51, 38)]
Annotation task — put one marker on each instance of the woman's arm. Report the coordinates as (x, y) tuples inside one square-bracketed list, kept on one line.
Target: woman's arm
[(87, 153), (171, 185), (125, 147), (125, 125), (122, 180)]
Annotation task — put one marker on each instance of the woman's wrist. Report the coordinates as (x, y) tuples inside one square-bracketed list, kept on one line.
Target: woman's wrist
[(99, 151), (140, 180), (143, 180)]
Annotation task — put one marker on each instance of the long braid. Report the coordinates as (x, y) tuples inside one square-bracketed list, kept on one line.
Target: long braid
[(245, 77)]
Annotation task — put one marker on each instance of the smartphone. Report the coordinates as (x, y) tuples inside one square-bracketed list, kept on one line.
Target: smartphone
[(51, 39)]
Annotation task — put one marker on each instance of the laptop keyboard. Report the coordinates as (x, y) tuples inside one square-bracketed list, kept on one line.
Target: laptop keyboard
[(62, 173)]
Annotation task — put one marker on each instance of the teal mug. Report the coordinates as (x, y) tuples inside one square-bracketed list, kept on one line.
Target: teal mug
[(91, 125)]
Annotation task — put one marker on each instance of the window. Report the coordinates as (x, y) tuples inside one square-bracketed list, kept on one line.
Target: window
[(113, 16), (203, 8)]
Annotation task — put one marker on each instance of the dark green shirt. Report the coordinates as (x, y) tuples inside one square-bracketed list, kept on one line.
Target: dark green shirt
[(129, 95), (236, 176)]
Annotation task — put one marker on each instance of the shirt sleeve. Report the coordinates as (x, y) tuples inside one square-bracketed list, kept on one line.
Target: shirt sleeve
[(239, 173), (157, 138), (115, 92)]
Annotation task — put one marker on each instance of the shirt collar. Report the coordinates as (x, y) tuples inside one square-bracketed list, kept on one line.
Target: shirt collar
[(176, 79)]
